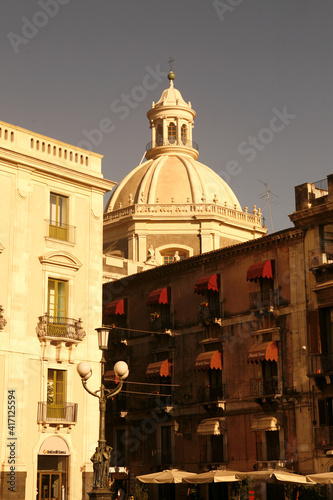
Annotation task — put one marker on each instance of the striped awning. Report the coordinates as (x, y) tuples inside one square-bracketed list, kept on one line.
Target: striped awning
[(207, 283), (263, 269), (209, 360), (266, 350), (212, 426), (159, 368), (160, 296), (115, 307)]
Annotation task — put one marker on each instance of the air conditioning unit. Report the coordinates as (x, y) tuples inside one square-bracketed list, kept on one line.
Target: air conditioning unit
[(317, 259)]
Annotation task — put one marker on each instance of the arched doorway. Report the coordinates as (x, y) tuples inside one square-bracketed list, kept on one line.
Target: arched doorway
[(52, 475)]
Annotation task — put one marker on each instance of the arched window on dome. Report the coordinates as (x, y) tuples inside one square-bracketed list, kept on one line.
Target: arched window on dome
[(159, 135), (183, 132), (173, 255), (172, 133)]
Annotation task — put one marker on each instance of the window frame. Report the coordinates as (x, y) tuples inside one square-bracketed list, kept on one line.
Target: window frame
[(172, 133), (58, 226)]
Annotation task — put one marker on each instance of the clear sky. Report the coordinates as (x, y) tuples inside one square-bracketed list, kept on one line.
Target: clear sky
[(259, 74)]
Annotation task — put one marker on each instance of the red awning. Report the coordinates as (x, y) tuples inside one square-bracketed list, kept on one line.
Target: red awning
[(206, 283), (159, 296), (110, 376), (160, 368), (209, 360), (115, 307), (266, 350), (264, 269)]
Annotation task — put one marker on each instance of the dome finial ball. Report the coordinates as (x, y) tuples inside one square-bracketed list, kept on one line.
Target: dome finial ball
[(171, 75)]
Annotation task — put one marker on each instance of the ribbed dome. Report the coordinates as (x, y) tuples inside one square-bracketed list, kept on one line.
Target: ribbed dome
[(171, 97), (174, 179)]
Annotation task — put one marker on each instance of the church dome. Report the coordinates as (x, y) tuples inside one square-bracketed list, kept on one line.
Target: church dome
[(173, 178), (172, 173)]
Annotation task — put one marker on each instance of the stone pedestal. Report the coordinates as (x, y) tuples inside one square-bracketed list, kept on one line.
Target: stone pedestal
[(100, 494)]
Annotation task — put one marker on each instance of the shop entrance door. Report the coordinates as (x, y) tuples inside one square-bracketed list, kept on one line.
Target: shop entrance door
[(51, 486)]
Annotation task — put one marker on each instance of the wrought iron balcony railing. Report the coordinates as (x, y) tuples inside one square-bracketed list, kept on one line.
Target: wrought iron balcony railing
[(260, 387), (266, 299), (208, 311), (160, 322), (185, 143), (60, 328), (324, 437), (60, 231), (207, 394), (320, 364), (65, 413)]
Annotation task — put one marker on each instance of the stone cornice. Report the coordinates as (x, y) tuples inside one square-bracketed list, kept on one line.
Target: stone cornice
[(31, 164), (313, 216)]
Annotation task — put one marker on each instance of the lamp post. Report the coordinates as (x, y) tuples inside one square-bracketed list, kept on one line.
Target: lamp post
[(102, 456)]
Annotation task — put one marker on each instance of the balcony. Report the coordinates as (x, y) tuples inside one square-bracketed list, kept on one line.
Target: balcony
[(209, 312), (209, 395), (55, 328), (319, 258), (60, 231), (320, 364), (266, 300), (260, 387), (161, 143), (160, 322), (324, 437), (65, 413)]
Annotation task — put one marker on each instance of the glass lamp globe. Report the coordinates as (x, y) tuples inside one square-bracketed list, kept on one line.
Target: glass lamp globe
[(121, 370)]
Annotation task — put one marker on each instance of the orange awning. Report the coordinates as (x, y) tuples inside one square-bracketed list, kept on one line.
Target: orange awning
[(110, 376), (115, 307), (264, 269), (209, 360), (207, 283), (266, 350), (159, 296), (160, 368)]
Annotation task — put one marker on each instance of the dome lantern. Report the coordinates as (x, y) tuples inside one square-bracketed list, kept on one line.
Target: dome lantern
[(171, 122)]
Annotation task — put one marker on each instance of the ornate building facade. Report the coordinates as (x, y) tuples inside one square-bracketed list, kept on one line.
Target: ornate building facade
[(51, 201)]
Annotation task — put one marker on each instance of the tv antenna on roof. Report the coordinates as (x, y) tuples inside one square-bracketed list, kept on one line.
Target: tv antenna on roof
[(267, 195)]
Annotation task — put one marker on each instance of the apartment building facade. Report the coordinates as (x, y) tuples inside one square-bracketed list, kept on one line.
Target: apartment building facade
[(51, 198), (229, 355)]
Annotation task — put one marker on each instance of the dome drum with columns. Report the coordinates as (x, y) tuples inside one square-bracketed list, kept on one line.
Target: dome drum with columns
[(171, 202)]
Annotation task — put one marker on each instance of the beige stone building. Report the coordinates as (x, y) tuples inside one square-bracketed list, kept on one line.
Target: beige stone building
[(172, 206), (51, 202)]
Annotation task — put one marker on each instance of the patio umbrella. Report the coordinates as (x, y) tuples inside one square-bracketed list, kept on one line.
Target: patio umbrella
[(214, 476), (166, 476), (322, 478), (272, 476)]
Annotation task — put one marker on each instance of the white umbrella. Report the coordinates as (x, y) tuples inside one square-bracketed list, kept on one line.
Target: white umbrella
[(271, 476), (216, 476), (322, 478), (166, 476)]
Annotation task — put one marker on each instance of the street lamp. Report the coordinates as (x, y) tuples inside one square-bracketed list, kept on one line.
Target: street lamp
[(101, 457)]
